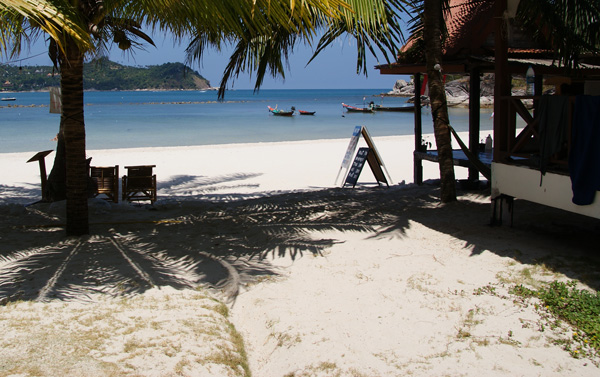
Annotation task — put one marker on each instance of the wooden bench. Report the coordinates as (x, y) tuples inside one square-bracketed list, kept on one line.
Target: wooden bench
[(139, 183), (106, 181)]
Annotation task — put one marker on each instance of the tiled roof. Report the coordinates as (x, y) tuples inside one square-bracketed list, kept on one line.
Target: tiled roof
[(467, 22), (471, 32), (470, 42)]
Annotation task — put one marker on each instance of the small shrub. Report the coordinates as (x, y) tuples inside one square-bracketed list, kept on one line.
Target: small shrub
[(577, 307)]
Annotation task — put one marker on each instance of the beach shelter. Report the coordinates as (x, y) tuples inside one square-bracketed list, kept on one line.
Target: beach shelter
[(483, 37), (464, 52)]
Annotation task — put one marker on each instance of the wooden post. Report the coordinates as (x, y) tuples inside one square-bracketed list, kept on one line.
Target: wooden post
[(502, 85), (474, 119), (418, 163), (501, 92), (40, 157), (538, 90)]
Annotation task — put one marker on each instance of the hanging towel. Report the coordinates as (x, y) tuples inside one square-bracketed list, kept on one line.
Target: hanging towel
[(584, 159), (554, 123)]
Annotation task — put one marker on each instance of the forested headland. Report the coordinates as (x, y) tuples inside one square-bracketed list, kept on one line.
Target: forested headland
[(103, 74)]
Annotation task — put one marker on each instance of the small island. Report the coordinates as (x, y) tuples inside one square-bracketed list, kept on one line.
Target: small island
[(103, 74)]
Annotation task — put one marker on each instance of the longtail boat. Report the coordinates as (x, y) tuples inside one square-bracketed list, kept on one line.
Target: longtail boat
[(407, 108), (357, 109), (281, 112)]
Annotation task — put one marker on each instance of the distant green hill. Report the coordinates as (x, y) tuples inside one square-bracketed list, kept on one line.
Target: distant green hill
[(103, 74)]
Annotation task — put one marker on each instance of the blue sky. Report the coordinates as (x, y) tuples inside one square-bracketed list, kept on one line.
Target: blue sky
[(335, 67)]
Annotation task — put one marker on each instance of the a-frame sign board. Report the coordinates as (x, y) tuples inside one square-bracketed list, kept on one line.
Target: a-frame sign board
[(370, 154)]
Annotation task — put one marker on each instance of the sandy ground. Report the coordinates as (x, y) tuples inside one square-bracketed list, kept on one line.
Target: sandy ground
[(253, 261)]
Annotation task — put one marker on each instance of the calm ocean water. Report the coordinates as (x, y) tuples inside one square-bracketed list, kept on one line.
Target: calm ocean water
[(180, 118)]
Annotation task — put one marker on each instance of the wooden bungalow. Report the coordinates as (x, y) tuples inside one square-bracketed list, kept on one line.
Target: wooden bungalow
[(544, 159)]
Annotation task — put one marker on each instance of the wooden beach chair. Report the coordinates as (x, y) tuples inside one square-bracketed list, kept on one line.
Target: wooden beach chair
[(139, 183), (106, 181)]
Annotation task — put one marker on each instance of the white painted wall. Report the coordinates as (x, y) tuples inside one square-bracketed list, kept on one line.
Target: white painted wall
[(524, 183)]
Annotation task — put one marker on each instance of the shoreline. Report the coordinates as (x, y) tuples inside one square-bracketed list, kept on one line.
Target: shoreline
[(249, 167)]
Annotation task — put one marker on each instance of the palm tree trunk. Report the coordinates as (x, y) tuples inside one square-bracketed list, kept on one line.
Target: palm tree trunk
[(56, 188), (73, 132), (437, 96)]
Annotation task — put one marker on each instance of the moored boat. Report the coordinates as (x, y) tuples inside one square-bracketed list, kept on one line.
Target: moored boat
[(303, 112), (408, 107), (355, 109), (8, 99), (281, 112)]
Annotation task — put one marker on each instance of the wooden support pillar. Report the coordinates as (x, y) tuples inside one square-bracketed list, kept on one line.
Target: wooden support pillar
[(501, 104), (474, 119), (418, 163), (502, 84), (538, 90)]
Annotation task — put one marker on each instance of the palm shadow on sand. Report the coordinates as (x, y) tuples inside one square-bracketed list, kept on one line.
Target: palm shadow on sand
[(191, 243)]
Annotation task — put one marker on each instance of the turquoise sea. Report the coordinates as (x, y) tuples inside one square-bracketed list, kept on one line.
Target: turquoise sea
[(127, 119)]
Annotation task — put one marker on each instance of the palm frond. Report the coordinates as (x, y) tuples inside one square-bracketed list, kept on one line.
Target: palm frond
[(56, 18), (260, 55), (374, 26), (416, 27), (571, 27), (244, 18), (263, 43)]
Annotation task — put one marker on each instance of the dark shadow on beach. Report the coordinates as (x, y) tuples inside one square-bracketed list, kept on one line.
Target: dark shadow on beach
[(19, 195), (223, 245), (196, 187), (184, 184)]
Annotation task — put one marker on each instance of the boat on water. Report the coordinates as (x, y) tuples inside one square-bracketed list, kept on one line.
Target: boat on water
[(281, 112), (355, 109), (408, 108), (304, 112), (8, 99)]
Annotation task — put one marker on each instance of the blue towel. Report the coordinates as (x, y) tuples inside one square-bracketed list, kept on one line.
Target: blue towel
[(554, 123), (584, 159)]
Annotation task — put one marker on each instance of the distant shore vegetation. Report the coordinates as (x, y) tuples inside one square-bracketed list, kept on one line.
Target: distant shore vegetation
[(103, 74)]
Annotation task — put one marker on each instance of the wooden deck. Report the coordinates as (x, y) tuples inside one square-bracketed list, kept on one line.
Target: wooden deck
[(460, 159)]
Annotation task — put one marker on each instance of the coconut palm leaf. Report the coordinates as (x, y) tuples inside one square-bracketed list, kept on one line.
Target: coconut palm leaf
[(374, 24), (261, 54), (52, 17), (572, 28), (242, 18), (380, 30), (416, 27)]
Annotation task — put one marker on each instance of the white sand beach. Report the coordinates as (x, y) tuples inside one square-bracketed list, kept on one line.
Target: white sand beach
[(253, 261)]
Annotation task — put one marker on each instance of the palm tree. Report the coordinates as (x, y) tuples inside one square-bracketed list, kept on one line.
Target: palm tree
[(428, 29), (69, 38), (93, 23), (79, 28), (437, 97)]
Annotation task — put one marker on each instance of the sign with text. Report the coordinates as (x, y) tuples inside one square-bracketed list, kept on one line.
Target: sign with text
[(351, 146), (370, 154), (357, 166)]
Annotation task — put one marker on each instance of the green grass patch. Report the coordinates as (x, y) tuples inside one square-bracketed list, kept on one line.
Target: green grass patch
[(578, 307)]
